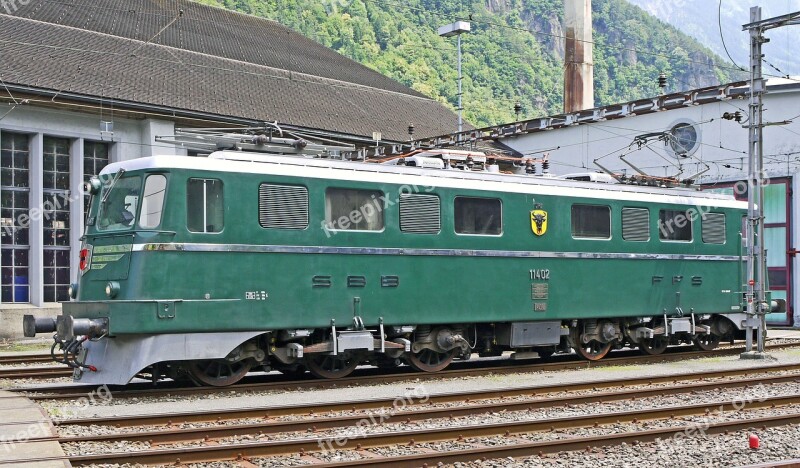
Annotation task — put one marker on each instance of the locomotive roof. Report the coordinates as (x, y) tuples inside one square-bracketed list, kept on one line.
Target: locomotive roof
[(311, 168)]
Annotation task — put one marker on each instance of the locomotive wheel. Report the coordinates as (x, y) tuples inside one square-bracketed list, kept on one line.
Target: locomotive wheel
[(327, 366), (593, 350), (706, 341), (653, 346), (218, 372), (429, 360)]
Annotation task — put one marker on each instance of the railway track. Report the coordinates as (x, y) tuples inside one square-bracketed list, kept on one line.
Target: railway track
[(35, 372), (16, 359), (699, 382), (371, 376), (310, 419)]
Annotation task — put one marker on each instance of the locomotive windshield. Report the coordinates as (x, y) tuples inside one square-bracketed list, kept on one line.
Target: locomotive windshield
[(120, 201)]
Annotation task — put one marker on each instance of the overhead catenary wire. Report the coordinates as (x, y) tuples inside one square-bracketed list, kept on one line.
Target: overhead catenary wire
[(785, 75), (632, 132), (176, 18), (188, 66), (722, 37)]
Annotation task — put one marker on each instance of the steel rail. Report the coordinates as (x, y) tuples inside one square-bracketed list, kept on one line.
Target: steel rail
[(528, 449), (376, 404), (793, 463), (371, 376), (383, 413), (35, 372), (199, 454), (11, 359)]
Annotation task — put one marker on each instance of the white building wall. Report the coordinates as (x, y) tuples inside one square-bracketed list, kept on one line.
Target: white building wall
[(574, 148), (151, 129)]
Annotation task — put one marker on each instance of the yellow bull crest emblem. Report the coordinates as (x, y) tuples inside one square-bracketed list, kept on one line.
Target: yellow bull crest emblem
[(539, 222)]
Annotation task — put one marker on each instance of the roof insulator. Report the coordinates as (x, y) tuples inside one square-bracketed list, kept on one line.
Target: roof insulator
[(662, 80)]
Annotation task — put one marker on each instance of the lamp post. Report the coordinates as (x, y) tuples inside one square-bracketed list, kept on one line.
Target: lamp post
[(456, 29)]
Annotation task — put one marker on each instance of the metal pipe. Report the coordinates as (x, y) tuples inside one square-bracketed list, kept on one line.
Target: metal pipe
[(460, 92)]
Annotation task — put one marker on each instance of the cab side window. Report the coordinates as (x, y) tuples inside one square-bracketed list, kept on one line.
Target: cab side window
[(205, 205), (155, 187)]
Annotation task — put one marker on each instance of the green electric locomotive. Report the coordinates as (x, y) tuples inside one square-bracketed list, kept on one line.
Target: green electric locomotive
[(216, 266)]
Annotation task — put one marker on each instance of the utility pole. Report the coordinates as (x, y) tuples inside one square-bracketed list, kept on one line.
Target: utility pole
[(755, 294), (457, 29)]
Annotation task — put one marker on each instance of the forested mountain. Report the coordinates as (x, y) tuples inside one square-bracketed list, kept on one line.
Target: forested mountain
[(514, 52), (698, 18)]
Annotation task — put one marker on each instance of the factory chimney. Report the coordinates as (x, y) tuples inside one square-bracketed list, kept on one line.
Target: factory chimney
[(578, 66)]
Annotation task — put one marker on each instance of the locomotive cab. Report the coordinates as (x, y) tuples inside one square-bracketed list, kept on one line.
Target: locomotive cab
[(107, 332)]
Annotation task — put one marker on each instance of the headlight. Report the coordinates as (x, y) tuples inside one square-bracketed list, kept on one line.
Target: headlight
[(112, 289), (73, 290), (92, 186)]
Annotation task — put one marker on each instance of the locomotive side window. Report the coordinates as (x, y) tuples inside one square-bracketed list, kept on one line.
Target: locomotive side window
[(591, 221), (674, 225), (205, 205), (713, 227), (353, 210), (155, 187), (480, 216), (636, 224), (420, 214), (120, 200), (282, 206)]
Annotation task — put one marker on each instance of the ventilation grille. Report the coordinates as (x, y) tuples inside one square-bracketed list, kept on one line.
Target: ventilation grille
[(420, 214), (714, 228), (636, 224), (282, 206)]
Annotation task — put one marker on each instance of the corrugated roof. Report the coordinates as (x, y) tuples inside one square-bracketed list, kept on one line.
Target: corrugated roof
[(210, 60)]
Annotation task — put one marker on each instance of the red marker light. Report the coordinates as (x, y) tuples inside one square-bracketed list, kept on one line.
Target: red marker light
[(84, 259), (753, 440)]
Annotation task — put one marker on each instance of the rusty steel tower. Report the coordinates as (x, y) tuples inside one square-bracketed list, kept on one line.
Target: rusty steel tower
[(578, 64)]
